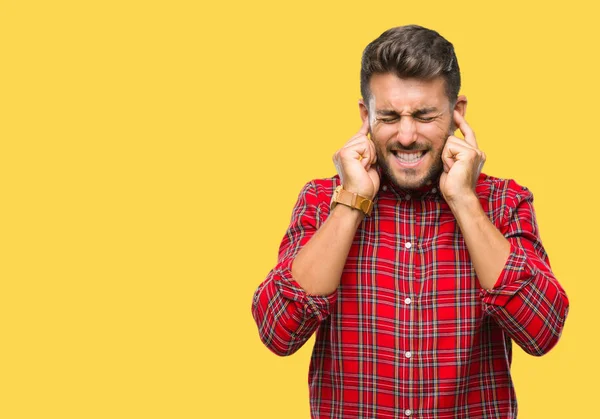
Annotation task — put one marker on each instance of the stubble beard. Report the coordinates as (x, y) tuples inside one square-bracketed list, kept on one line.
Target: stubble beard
[(410, 180), (433, 174)]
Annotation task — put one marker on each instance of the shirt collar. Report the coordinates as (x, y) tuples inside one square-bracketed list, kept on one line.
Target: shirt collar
[(429, 191)]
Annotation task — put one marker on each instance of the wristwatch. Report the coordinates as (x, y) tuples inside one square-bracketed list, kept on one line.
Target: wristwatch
[(352, 200)]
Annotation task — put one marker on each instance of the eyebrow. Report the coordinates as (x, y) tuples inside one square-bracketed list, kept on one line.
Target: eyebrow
[(386, 112), (422, 111)]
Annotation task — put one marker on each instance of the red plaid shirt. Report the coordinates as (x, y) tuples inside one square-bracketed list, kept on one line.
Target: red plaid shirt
[(410, 332)]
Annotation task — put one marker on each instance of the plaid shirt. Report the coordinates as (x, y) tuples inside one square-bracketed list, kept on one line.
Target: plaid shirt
[(409, 331)]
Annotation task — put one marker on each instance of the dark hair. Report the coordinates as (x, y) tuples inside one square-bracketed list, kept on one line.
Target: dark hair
[(411, 52)]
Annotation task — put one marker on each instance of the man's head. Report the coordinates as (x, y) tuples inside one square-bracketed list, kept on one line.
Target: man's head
[(411, 52), (410, 81)]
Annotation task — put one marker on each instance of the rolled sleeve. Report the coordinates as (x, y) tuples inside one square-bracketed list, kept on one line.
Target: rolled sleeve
[(516, 274), (286, 315), (311, 305), (527, 300)]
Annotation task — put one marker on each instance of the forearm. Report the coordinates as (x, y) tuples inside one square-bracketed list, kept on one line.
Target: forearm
[(488, 248), (286, 313), (519, 288), (319, 264), (299, 292)]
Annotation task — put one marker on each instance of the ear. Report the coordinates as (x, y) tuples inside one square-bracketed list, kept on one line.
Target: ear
[(461, 105), (363, 109)]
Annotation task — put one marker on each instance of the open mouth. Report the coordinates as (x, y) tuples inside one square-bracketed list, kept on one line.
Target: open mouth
[(409, 159)]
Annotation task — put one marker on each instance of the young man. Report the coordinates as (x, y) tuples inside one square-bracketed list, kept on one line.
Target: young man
[(414, 268)]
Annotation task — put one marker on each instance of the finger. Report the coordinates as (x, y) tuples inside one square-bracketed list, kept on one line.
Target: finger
[(459, 143), (364, 129), (450, 154), (373, 152), (374, 178), (360, 142), (457, 150), (370, 154), (372, 162), (355, 141), (463, 151), (357, 151), (448, 162), (466, 130), (447, 158), (365, 158)]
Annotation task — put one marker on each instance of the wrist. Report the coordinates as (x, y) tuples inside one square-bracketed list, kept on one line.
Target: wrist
[(352, 200), (465, 203), (370, 196), (354, 216)]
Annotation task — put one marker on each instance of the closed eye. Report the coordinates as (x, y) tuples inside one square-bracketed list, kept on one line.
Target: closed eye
[(424, 118), (426, 114)]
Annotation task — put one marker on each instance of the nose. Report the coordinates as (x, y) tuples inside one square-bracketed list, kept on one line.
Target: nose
[(407, 131)]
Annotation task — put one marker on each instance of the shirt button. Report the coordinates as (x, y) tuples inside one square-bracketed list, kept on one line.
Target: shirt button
[(384, 187), (434, 190), (408, 245), (408, 354), (407, 197), (408, 412), (407, 300)]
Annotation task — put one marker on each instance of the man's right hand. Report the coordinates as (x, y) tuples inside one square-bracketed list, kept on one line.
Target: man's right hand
[(355, 161)]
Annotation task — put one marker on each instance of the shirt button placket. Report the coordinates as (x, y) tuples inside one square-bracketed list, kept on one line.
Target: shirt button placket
[(407, 301)]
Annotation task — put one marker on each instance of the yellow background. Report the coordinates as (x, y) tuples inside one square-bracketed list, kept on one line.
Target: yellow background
[(151, 153)]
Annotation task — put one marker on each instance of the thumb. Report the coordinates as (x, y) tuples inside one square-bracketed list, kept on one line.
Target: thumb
[(374, 175)]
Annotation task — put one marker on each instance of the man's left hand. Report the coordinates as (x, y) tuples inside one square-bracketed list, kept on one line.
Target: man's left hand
[(463, 162)]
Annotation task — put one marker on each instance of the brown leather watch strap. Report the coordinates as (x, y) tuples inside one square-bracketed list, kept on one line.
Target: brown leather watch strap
[(352, 200)]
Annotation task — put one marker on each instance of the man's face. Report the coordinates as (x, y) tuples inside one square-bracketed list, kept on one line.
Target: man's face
[(410, 121)]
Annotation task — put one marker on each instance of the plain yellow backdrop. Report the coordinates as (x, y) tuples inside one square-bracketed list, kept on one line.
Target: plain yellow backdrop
[(151, 152)]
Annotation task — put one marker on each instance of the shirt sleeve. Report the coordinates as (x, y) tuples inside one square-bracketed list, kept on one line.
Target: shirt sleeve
[(527, 300), (285, 314)]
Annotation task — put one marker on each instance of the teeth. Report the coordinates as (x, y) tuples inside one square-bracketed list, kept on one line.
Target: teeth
[(409, 157)]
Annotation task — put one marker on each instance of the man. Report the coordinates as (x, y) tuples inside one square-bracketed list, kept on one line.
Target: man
[(414, 268)]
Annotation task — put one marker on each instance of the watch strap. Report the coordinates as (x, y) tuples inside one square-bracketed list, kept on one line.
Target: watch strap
[(352, 200)]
